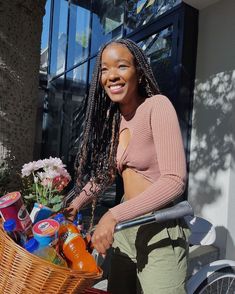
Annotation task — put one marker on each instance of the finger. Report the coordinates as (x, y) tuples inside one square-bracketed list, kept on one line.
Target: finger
[(101, 248), (100, 243)]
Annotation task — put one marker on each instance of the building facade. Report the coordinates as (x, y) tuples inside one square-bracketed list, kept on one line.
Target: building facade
[(77, 29)]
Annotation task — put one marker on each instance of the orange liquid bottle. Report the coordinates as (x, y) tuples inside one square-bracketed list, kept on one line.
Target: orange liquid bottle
[(73, 246)]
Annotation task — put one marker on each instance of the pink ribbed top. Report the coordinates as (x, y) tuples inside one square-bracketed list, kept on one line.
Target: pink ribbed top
[(155, 151)]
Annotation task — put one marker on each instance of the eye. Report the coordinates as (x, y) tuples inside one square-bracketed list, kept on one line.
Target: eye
[(103, 69), (122, 66)]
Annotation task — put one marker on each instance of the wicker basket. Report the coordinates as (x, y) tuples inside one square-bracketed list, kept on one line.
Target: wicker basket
[(22, 272)]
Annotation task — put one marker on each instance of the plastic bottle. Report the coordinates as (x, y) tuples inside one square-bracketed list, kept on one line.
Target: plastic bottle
[(79, 223), (68, 231), (10, 228), (74, 247), (47, 253)]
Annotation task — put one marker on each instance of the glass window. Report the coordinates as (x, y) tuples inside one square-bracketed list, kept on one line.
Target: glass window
[(140, 12), (45, 37), (76, 79), (52, 118), (79, 22), (91, 68), (76, 92), (107, 22), (59, 37), (158, 48)]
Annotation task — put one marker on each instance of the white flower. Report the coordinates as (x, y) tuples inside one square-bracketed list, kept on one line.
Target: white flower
[(35, 179), (39, 164), (53, 162), (28, 168)]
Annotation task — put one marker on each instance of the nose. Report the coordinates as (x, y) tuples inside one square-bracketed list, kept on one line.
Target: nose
[(113, 75)]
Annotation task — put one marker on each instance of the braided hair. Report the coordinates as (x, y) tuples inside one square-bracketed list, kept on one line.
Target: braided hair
[(96, 159)]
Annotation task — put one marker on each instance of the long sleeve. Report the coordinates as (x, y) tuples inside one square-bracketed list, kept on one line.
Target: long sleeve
[(171, 161), (86, 195)]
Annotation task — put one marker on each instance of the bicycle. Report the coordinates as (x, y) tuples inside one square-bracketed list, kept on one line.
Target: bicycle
[(217, 277)]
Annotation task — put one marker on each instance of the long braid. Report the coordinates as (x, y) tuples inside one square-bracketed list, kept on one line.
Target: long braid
[(97, 157)]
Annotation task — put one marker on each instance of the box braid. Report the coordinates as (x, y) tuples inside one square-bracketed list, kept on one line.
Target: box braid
[(97, 157)]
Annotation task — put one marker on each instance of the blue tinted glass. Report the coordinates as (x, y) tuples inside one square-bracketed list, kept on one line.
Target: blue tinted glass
[(76, 79), (158, 48), (45, 37), (140, 12), (91, 67), (52, 118), (59, 37), (107, 22), (78, 34)]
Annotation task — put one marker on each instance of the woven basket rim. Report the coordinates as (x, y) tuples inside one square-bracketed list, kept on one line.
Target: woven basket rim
[(37, 260)]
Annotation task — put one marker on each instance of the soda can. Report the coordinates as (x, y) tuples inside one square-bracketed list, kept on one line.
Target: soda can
[(46, 232), (12, 207)]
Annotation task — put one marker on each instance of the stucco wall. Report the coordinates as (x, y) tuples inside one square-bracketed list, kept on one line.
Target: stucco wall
[(20, 35), (212, 175)]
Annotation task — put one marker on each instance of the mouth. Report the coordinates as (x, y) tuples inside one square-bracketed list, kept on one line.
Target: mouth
[(116, 89)]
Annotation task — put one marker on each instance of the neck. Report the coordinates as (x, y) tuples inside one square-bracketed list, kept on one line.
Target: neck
[(127, 110)]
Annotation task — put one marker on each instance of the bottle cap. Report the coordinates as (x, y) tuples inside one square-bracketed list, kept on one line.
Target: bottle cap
[(9, 225), (31, 245), (79, 216), (59, 217)]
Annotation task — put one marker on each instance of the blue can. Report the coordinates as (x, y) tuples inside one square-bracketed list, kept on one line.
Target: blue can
[(46, 232)]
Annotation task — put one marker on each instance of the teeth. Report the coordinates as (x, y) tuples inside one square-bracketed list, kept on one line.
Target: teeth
[(115, 87)]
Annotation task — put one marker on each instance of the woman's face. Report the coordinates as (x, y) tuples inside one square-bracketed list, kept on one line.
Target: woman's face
[(119, 76)]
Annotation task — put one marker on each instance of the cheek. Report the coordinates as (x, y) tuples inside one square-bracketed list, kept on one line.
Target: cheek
[(102, 81)]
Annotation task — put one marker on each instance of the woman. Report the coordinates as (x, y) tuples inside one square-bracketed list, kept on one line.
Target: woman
[(129, 125)]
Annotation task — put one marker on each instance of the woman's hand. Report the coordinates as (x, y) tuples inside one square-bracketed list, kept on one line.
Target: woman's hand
[(70, 212), (102, 237)]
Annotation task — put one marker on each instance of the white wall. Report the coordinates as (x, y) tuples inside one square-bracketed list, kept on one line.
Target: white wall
[(212, 161)]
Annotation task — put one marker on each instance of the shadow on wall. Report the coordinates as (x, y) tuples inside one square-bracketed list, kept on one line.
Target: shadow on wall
[(229, 251), (212, 137)]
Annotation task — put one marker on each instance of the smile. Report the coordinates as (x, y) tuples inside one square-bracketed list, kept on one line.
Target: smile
[(116, 89)]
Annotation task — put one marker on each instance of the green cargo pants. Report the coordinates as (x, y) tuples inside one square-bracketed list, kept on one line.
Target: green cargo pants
[(150, 259)]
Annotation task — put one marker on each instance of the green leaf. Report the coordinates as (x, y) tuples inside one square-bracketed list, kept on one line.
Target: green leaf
[(30, 196), (43, 201), (57, 207), (56, 199)]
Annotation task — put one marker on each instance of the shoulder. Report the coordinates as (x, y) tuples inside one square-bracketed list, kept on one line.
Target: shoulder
[(159, 103)]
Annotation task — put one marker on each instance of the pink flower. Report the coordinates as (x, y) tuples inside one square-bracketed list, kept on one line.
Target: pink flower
[(46, 182)]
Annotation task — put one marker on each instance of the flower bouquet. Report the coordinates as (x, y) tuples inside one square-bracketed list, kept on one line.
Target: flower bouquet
[(44, 181)]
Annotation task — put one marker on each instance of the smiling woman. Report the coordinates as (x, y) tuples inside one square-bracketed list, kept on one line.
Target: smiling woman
[(132, 129), (119, 76)]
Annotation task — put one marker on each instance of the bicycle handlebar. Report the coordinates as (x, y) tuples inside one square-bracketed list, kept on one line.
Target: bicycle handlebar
[(179, 210)]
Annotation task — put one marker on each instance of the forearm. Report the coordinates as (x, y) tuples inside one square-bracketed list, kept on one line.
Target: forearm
[(87, 194), (159, 194)]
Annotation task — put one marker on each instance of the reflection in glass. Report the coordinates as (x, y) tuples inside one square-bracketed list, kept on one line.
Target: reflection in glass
[(76, 89), (76, 79), (140, 12), (158, 48), (52, 118), (107, 22), (91, 68), (78, 34), (59, 37), (45, 38)]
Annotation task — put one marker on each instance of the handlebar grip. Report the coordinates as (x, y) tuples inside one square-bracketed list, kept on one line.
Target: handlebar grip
[(179, 210)]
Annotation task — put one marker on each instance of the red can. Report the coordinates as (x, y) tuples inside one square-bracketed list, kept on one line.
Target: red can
[(12, 207)]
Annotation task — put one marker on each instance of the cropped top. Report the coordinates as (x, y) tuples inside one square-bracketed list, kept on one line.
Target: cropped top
[(155, 150)]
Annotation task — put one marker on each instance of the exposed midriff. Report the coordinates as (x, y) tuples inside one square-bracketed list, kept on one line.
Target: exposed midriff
[(134, 183)]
